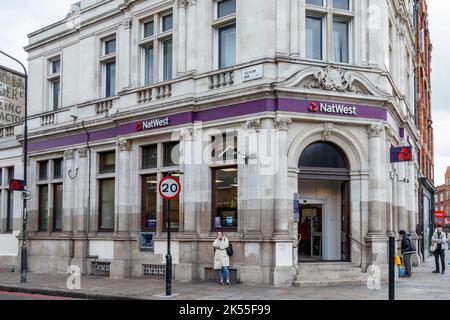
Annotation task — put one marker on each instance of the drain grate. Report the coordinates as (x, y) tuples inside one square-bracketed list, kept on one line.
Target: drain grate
[(100, 268), (153, 271)]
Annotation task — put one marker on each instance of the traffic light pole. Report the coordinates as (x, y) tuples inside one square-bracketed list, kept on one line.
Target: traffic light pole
[(24, 250)]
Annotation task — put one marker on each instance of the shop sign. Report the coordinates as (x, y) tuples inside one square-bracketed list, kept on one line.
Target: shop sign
[(439, 214), (153, 124), (333, 108), (401, 154)]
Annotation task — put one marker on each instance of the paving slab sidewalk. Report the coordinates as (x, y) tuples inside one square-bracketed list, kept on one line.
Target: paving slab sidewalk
[(422, 286)]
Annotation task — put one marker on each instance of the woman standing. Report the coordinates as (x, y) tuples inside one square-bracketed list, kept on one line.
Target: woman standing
[(439, 241), (221, 259)]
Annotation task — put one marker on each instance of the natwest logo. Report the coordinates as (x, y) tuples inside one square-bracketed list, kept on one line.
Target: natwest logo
[(333, 108), (153, 124)]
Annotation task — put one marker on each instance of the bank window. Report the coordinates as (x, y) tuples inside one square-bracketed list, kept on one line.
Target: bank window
[(334, 15), (106, 204), (149, 202), (225, 30), (167, 22), (171, 154), (158, 160), (50, 195), (226, 8), (58, 169), (224, 147), (54, 83), (314, 42), (225, 198), (150, 157), (108, 66), (156, 46), (43, 170), (174, 212), (107, 162)]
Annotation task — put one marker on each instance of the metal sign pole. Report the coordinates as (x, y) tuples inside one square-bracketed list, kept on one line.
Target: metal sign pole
[(168, 256), (391, 269)]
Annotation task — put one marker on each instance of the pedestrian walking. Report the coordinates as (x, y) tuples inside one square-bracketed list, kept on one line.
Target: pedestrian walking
[(439, 244), (407, 249), (221, 258)]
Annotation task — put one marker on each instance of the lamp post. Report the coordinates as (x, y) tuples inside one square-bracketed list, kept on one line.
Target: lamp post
[(24, 251)]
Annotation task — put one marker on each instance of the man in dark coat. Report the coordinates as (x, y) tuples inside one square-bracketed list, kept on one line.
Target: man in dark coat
[(407, 249)]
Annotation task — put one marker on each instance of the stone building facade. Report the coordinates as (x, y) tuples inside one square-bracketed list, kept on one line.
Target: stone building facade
[(255, 102)]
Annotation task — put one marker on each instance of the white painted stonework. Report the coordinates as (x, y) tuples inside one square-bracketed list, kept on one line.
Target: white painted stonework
[(9, 244), (102, 249), (161, 249)]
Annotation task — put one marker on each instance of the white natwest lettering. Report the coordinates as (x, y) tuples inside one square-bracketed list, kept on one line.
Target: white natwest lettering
[(155, 123), (337, 108)]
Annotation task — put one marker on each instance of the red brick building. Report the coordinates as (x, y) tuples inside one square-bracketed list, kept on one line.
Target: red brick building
[(425, 125), (443, 195)]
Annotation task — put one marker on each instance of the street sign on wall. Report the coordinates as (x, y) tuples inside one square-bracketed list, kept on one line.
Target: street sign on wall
[(401, 154), (16, 185), (12, 96)]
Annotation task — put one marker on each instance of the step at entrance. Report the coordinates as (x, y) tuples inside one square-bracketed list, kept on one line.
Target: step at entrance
[(326, 274)]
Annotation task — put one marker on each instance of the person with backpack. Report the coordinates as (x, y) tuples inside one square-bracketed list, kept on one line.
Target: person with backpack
[(222, 252), (439, 243), (407, 249)]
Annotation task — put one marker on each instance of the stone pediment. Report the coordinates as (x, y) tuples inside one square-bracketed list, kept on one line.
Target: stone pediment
[(332, 79)]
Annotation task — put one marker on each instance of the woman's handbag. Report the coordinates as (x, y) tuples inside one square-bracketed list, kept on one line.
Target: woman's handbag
[(433, 247)]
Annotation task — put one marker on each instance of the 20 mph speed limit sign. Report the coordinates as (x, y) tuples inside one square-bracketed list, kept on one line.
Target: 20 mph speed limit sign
[(169, 188)]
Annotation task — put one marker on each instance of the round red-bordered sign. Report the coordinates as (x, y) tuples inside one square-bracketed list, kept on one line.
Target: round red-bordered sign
[(169, 188)]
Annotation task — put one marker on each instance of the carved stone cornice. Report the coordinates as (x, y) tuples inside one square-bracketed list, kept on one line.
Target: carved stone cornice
[(186, 3), (187, 134), (69, 154), (327, 131), (82, 152), (282, 124), (124, 144), (375, 130), (127, 23), (250, 125)]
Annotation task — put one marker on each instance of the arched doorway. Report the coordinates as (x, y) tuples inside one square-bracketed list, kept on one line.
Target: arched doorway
[(324, 226)]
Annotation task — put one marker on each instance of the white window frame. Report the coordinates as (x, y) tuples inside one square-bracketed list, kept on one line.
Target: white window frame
[(105, 59), (328, 14), (217, 24), (51, 79)]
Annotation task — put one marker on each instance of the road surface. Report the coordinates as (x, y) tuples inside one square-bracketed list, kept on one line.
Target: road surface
[(26, 296)]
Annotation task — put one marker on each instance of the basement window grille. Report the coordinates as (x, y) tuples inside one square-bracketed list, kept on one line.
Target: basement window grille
[(100, 268), (153, 271)]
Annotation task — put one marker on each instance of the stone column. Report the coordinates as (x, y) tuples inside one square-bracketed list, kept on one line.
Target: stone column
[(377, 203), (389, 195), (70, 176), (123, 185), (284, 270), (281, 177), (191, 182), (124, 57), (294, 28), (377, 198), (191, 42), (282, 25), (411, 190), (182, 35), (249, 187), (402, 197)]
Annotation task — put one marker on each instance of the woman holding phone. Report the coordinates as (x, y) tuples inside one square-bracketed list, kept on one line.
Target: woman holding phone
[(221, 258)]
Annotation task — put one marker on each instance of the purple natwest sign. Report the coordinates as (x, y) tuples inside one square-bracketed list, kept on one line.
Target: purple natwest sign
[(333, 108)]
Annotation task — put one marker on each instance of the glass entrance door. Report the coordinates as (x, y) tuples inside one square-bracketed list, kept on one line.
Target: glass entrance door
[(310, 233)]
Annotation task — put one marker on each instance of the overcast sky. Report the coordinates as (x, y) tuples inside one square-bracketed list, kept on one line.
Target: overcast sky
[(20, 17)]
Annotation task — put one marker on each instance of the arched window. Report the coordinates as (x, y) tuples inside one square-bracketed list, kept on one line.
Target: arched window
[(322, 155), (323, 160)]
